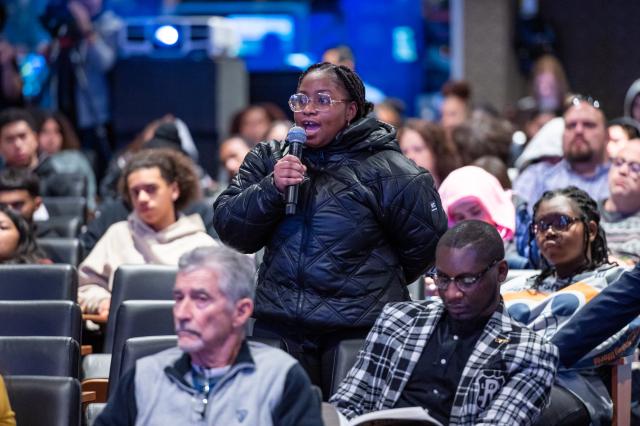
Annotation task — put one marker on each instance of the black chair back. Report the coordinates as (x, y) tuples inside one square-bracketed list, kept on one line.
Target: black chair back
[(40, 318), (344, 358), (38, 282), (138, 318), (39, 400), (62, 250), (65, 206), (59, 227), (39, 356), (138, 282)]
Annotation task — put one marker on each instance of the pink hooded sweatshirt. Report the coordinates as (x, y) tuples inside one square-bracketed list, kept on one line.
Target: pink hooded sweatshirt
[(471, 183)]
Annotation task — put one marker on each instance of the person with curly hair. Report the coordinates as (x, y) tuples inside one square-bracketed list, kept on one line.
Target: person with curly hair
[(157, 183), (366, 224), (17, 241), (574, 269)]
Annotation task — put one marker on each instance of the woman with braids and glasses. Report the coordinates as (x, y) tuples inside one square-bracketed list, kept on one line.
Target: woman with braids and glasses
[(573, 247), (366, 225)]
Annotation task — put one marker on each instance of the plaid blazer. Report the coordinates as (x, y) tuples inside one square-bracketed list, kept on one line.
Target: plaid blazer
[(506, 381)]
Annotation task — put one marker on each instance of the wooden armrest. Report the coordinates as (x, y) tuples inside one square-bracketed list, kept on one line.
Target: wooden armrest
[(86, 350), (621, 390), (88, 396), (99, 319), (99, 386)]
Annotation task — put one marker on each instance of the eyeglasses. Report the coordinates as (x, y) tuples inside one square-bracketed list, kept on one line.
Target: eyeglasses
[(321, 102), (558, 222), (464, 283), (577, 99), (634, 166)]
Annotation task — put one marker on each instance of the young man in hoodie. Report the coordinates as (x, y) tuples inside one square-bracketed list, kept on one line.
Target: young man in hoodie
[(157, 183)]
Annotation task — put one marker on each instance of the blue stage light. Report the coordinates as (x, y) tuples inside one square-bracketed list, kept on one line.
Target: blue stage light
[(167, 35)]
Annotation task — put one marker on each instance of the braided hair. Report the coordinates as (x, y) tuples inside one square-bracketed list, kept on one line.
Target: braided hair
[(596, 253), (347, 78)]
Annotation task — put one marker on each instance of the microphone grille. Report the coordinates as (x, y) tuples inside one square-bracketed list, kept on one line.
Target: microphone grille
[(296, 135)]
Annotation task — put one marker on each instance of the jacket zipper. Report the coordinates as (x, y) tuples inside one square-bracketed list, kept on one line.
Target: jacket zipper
[(305, 226)]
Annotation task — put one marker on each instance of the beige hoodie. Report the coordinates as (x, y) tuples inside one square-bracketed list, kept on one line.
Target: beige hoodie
[(134, 242)]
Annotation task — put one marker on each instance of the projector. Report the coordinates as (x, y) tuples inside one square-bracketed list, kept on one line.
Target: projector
[(178, 36)]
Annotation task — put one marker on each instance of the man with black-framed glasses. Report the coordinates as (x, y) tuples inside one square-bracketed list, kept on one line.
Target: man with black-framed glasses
[(461, 356), (621, 211)]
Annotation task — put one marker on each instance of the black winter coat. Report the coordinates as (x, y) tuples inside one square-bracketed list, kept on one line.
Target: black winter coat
[(368, 222)]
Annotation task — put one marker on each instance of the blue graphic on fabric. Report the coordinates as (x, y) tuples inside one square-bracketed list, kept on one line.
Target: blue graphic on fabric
[(564, 304), (520, 312)]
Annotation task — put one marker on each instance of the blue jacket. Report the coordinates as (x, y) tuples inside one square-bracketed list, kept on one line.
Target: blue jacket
[(619, 304)]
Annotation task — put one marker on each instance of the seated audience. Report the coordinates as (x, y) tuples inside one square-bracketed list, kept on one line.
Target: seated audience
[(232, 153), (584, 163), (157, 183), (621, 211), (19, 149), (426, 144), (20, 190), (254, 122), (7, 416), (620, 131), (17, 242), (473, 193), (573, 246), (456, 104), (482, 134), (232, 381), (462, 357), (390, 111), (57, 141), (496, 167)]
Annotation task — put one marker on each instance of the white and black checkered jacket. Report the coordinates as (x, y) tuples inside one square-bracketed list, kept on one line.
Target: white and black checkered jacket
[(506, 381)]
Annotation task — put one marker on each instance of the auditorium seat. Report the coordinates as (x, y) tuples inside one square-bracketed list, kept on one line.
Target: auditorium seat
[(38, 282), (62, 250), (40, 318), (39, 356), (65, 206), (60, 227), (138, 282), (344, 358), (40, 400)]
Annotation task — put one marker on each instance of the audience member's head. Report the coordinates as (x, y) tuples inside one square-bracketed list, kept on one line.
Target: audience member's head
[(56, 134), (566, 228), (390, 111), (232, 153), (17, 242), (253, 122), (456, 104), (585, 134), (20, 190), (473, 193), (496, 167), (157, 183), (166, 135), (426, 144), (483, 135), (632, 101), (470, 266), (549, 85), (624, 180), (213, 295), (279, 130), (340, 55), (620, 131), (18, 138)]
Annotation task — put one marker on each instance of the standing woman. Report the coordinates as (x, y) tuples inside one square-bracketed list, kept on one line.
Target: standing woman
[(366, 225)]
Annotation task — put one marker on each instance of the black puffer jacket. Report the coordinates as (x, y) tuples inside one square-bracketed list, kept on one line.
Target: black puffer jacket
[(367, 224)]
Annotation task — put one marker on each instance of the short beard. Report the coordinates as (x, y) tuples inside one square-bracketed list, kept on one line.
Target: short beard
[(583, 157)]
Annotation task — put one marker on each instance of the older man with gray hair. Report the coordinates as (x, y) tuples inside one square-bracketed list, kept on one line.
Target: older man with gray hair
[(214, 376)]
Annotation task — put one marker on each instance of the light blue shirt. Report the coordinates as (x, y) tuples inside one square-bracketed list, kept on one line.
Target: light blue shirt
[(544, 176)]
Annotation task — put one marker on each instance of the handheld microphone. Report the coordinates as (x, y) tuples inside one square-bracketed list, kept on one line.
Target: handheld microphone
[(296, 138)]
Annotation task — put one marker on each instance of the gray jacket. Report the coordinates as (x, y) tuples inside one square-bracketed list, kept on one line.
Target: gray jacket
[(264, 386)]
